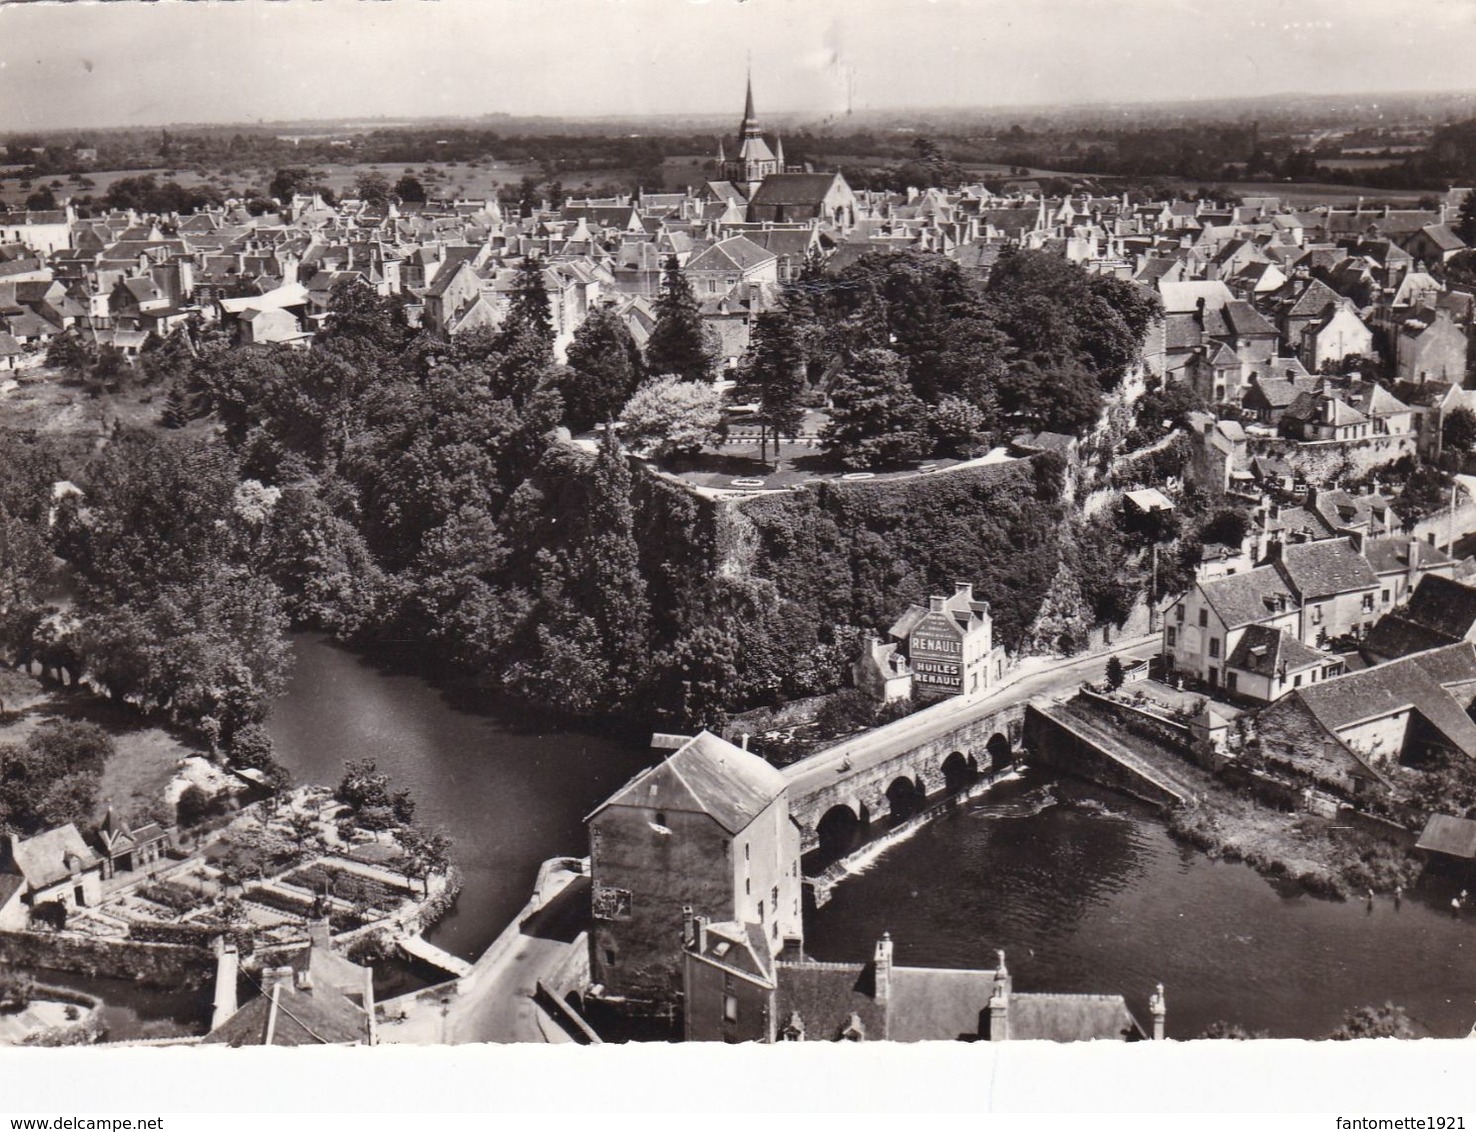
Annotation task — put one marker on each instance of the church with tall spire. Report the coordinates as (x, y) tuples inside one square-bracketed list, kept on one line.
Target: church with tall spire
[(754, 160)]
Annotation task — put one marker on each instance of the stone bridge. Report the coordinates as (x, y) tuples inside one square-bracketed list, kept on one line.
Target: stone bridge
[(897, 770)]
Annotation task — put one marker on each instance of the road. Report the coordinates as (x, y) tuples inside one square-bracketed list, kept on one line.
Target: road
[(1031, 679)]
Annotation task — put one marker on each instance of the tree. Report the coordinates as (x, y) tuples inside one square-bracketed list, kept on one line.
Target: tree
[(1114, 673), (363, 785), (672, 416), (605, 369), (1231, 1031), (16, 989), (372, 187), (680, 342), (72, 355), (42, 200), (194, 806), (776, 373), (876, 419), (1459, 431), (1387, 1021), (1465, 225), (410, 190), (529, 312), (423, 854)]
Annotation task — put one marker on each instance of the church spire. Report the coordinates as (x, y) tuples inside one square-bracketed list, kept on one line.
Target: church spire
[(750, 126)]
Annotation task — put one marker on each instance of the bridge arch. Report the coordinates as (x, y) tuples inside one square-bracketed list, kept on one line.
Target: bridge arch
[(1001, 752), (842, 829), (960, 771), (905, 797)]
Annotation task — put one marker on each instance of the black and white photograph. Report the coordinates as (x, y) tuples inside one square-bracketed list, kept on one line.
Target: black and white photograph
[(632, 523)]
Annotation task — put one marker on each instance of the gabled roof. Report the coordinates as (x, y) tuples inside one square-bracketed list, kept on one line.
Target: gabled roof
[(1248, 598), (1322, 569), (1444, 605), (1390, 555), (1410, 682), (796, 188), (49, 857), (1455, 837), (1071, 1018), (1265, 651), (707, 775)]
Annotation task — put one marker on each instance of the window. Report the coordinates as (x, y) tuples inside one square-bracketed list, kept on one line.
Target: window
[(745, 851), (747, 887), (1368, 603), (1296, 681), (1230, 681), (774, 899), (761, 911), (1179, 612), (1385, 597), (609, 957), (660, 818), (1172, 636), (1204, 618), (730, 1008), (1214, 646)]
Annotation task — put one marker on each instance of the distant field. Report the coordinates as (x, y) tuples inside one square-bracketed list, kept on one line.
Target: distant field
[(1302, 193)]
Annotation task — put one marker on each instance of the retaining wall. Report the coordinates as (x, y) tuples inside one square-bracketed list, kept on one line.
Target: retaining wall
[(152, 964)]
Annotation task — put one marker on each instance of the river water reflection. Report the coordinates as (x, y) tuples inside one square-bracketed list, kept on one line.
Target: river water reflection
[(1085, 900), (1094, 898), (509, 799)]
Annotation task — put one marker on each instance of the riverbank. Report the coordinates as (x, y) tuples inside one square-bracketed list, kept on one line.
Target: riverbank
[(1325, 856)]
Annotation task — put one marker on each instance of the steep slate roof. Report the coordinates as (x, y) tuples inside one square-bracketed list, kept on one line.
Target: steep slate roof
[(1243, 599), (1399, 685), (1265, 651), (1071, 1018), (44, 859), (1388, 555), (794, 188), (935, 1003), (1321, 569), (825, 995), (1455, 837), (1445, 606), (707, 775)]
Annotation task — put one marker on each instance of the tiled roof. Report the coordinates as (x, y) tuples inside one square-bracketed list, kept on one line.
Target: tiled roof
[(1455, 837), (1446, 606), (939, 1004), (51, 856), (1265, 651), (1321, 569), (826, 995), (1396, 686), (1245, 599), (1071, 1018), (706, 775)]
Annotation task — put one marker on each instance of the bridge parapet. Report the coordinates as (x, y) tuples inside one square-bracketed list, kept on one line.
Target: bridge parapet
[(859, 773)]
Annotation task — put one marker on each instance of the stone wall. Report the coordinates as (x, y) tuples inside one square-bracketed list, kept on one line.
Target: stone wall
[(152, 964), (1445, 523), (1326, 461)]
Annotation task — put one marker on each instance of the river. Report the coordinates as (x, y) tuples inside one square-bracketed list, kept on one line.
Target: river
[(510, 799), (1087, 900), (1092, 897)]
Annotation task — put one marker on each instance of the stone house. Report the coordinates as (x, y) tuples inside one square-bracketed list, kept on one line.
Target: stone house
[(1347, 732), (1441, 611), (882, 671), (950, 644), (1429, 346), (706, 832), (55, 867), (732, 995)]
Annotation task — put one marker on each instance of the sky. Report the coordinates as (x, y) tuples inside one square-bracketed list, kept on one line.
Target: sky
[(81, 64)]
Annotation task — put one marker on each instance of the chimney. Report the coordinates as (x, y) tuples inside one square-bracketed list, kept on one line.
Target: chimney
[(1411, 568), (320, 933), (935, 604), (964, 589), (1158, 1008), (699, 934), (999, 1004), (883, 966)]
